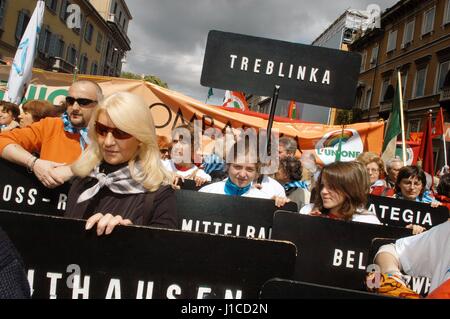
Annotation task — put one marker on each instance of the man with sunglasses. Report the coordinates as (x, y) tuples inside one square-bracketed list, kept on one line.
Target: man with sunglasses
[(58, 141)]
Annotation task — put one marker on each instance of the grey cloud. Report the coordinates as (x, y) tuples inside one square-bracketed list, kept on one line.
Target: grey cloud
[(168, 37)]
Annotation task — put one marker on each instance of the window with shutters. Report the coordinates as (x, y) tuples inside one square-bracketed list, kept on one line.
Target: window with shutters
[(83, 63), (94, 68), (63, 12), (419, 87), (88, 33), (71, 54), (98, 46), (392, 41), (368, 99), (61, 45), (22, 22), (443, 70), (447, 12), (428, 21), (408, 34), (2, 14), (52, 4)]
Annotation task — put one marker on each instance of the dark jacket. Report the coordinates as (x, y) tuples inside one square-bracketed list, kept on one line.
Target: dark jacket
[(13, 280), (157, 209)]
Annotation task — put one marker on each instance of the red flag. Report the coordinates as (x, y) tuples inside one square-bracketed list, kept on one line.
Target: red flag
[(292, 110), (438, 129), (426, 148)]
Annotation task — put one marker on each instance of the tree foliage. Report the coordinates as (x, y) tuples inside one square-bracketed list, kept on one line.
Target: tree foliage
[(148, 78)]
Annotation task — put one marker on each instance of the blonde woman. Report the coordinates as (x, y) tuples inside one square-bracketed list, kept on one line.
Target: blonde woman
[(120, 177)]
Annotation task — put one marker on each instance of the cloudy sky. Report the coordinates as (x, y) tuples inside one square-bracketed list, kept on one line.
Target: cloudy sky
[(168, 37)]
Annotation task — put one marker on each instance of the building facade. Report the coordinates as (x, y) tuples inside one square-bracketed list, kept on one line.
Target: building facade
[(337, 36), (72, 39), (414, 40)]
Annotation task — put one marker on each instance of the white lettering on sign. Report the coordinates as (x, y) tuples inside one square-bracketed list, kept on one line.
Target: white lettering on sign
[(19, 194), (407, 215), (53, 283), (315, 74), (226, 229), (113, 286), (350, 258)]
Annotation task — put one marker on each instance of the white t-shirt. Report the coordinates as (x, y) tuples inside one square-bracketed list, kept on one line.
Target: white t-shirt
[(170, 166), (271, 187), (219, 188), (427, 254), (363, 217)]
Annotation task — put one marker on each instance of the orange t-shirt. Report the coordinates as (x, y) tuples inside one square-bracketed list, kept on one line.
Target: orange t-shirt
[(46, 137), (441, 292)]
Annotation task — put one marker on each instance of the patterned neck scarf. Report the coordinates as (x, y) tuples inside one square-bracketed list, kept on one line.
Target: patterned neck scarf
[(296, 184), (119, 182), (233, 189), (68, 127)]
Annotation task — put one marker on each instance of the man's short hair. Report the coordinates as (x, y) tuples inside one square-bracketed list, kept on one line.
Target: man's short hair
[(393, 160), (98, 89)]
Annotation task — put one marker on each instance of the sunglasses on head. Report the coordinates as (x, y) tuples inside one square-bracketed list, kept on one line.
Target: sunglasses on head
[(103, 130), (81, 101)]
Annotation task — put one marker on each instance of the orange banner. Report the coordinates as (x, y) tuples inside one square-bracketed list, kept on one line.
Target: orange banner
[(170, 108)]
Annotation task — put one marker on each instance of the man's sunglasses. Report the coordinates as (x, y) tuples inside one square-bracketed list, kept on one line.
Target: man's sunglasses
[(103, 130), (81, 101)]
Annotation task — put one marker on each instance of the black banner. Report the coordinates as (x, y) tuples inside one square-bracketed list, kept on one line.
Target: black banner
[(306, 73), (400, 212), (22, 191), (333, 252), (199, 212), (227, 215), (65, 261), (290, 289)]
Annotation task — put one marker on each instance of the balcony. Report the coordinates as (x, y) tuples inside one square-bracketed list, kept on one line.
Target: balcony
[(57, 64), (118, 32)]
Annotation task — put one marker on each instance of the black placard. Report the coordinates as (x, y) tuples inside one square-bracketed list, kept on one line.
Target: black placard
[(227, 215), (331, 252), (400, 212), (142, 262), (289, 289), (306, 73), (200, 212), (22, 191)]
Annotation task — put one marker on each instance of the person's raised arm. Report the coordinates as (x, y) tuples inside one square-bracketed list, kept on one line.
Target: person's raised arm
[(41, 168)]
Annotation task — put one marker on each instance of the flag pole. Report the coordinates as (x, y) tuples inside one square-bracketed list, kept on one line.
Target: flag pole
[(339, 150), (443, 138), (402, 121), (273, 106), (445, 149)]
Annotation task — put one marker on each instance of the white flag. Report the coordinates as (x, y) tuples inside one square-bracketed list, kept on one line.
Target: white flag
[(21, 69)]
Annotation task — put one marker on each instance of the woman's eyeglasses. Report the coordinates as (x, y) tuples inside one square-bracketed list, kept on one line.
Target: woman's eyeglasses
[(81, 101), (103, 130)]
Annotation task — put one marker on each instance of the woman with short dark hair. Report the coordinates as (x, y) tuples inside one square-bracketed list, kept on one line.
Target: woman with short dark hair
[(35, 110), (9, 113)]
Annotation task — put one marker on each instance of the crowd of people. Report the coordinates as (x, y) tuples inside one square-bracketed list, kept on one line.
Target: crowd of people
[(122, 173)]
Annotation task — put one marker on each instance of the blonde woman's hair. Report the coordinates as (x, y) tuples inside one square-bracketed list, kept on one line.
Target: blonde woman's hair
[(349, 179), (130, 114)]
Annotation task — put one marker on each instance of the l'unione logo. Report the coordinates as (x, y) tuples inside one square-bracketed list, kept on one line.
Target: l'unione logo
[(328, 146)]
